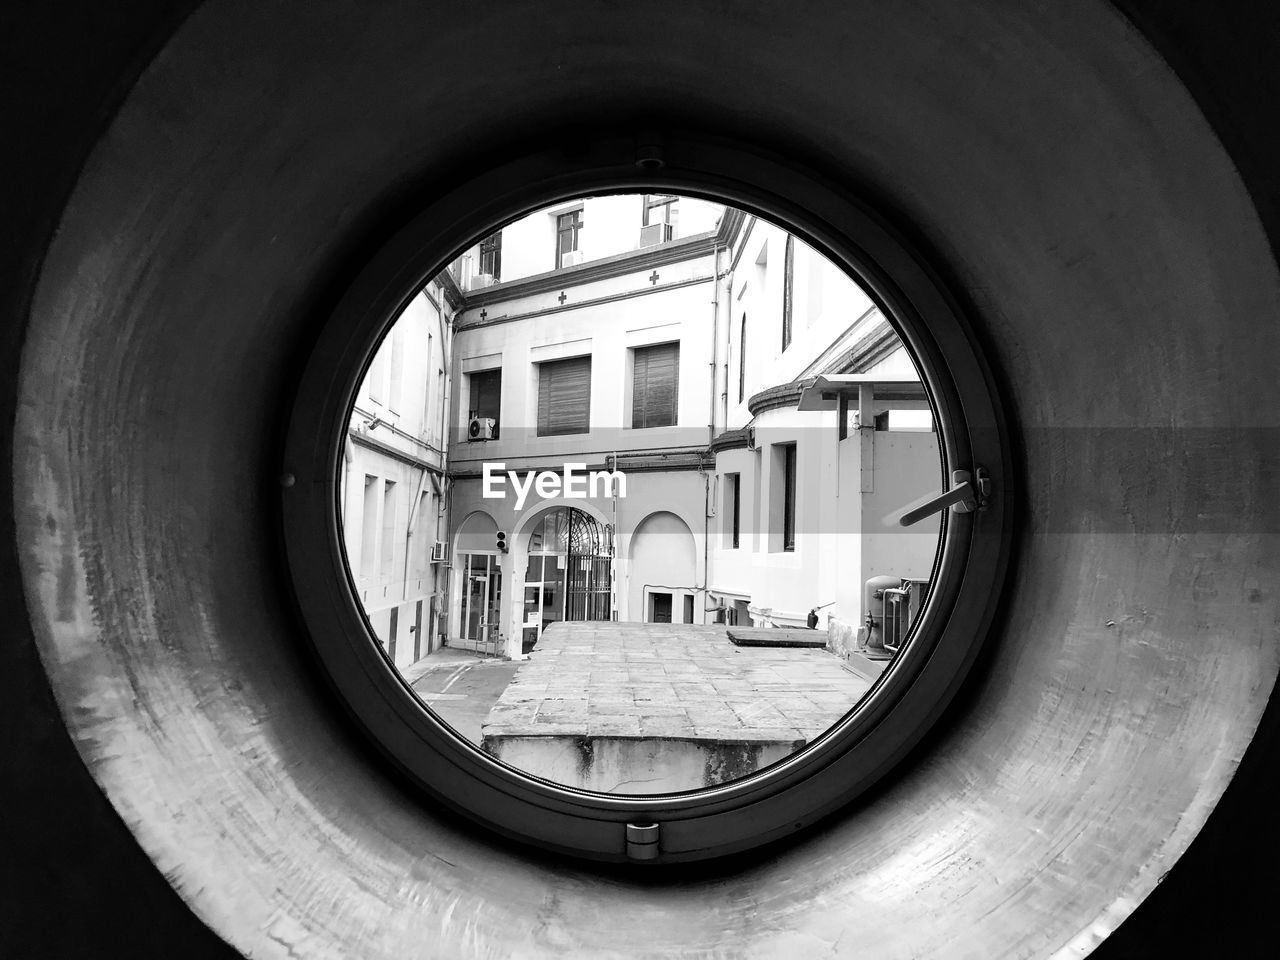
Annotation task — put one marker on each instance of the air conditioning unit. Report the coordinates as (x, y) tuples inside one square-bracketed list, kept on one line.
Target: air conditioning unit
[(571, 259), (481, 428), (440, 552), (482, 280), (655, 233)]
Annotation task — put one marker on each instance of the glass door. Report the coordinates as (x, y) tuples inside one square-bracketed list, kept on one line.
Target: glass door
[(481, 602)]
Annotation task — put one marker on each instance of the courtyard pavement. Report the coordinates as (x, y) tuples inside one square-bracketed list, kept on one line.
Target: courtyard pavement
[(460, 686), (632, 680)]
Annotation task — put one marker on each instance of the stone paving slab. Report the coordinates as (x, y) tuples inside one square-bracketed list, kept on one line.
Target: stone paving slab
[(671, 681), (775, 637)]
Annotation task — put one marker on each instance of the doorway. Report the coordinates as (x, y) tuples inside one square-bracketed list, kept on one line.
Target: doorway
[(569, 574), (481, 604)]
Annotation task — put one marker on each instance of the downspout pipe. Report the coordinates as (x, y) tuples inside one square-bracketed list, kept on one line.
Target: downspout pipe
[(715, 339)]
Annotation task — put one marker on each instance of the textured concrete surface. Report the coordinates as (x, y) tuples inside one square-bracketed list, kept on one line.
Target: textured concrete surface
[(671, 680), (656, 708), (460, 687)]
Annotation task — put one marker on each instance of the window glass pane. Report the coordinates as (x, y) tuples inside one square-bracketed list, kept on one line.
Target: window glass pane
[(789, 498)]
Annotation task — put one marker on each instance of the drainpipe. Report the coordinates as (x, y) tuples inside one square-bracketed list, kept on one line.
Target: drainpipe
[(348, 458), (715, 339), (446, 493), (706, 539), (728, 334)]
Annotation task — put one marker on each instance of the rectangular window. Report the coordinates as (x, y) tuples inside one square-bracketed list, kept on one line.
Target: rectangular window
[(486, 397), (427, 385), (742, 360), (788, 284), (564, 397), (369, 524), (789, 497), (655, 386), (659, 208), (422, 530), (397, 369), (491, 255), (735, 509), (387, 566), (567, 227), (688, 609), (658, 224), (376, 378)]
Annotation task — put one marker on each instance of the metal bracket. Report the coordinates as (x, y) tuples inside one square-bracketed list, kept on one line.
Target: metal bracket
[(969, 492), (642, 841)]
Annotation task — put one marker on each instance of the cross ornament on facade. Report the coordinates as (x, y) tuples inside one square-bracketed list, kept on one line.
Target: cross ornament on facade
[(653, 278), (484, 314), (563, 298)]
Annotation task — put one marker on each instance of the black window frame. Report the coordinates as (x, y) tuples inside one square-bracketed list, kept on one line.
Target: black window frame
[(568, 224), (742, 360), (777, 801), (491, 253), (735, 510), (659, 201), (478, 378), (788, 290), (788, 497)]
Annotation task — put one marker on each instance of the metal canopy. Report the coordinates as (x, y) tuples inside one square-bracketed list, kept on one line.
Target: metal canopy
[(825, 392)]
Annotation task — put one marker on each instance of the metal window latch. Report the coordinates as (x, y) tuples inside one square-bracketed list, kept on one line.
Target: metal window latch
[(642, 841), (967, 494)]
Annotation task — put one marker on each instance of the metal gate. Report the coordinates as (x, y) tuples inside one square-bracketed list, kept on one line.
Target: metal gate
[(588, 568)]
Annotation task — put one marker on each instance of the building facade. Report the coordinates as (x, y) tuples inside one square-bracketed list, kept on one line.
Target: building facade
[(393, 491), (672, 340)]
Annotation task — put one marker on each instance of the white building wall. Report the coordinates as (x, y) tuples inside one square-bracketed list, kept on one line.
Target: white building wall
[(829, 312), (610, 226), (392, 509), (618, 315)]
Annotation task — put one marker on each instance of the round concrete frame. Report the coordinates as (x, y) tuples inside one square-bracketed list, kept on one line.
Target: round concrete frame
[(792, 793), (1080, 204)]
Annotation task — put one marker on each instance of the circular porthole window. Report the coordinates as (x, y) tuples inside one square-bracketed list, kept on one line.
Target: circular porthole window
[(639, 512)]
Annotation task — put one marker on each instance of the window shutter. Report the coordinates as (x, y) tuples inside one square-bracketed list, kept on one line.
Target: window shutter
[(655, 386), (564, 397)]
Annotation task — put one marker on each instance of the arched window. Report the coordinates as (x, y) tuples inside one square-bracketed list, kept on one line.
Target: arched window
[(742, 360)]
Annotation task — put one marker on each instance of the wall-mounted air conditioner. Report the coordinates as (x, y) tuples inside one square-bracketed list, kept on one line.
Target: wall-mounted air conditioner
[(571, 258), (655, 233), (440, 552), (482, 428)]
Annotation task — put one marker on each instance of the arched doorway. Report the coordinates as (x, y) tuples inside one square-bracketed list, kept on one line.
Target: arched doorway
[(569, 573), (662, 574)]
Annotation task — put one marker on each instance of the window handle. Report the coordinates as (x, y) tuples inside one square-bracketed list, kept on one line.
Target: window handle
[(967, 494)]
